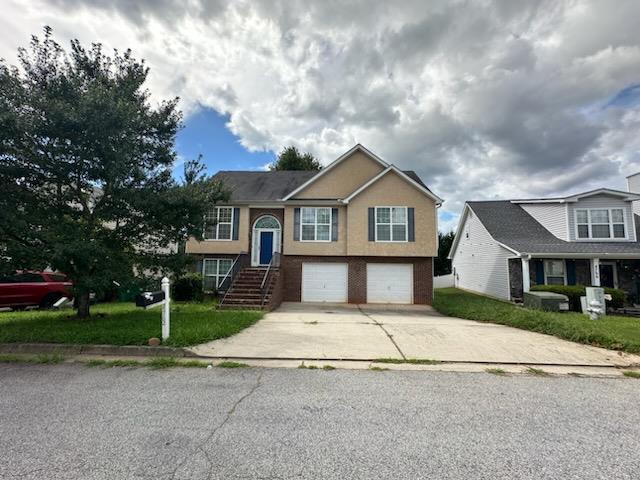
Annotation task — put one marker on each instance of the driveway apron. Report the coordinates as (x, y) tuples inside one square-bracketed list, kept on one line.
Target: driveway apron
[(369, 332)]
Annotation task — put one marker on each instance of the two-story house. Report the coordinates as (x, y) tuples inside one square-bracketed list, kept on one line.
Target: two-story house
[(360, 231), (503, 247)]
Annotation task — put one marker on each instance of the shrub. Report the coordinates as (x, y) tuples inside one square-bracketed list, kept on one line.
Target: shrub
[(188, 287), (574, 292)]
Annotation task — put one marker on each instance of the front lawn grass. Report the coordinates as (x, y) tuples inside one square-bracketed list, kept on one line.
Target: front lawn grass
[(124, 324), (229, 364), (618, 333)]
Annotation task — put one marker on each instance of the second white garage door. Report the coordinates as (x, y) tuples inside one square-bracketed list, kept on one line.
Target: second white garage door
[(389, 283), (324, 282)]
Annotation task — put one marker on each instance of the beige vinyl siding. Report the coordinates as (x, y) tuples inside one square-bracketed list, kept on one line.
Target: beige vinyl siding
[(603, 201), (225, 246), (552, 216), (291, 247), (392, 190), (480, 263), (343, 179)]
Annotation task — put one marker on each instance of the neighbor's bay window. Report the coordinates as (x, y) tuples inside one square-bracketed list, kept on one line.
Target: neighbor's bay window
[(219, 224), (554, 272), (315, 224), (391, 224), (599, 223), (213, 272)]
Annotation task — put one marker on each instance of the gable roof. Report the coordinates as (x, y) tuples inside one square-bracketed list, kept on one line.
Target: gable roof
[(513, 227), (411, 179), (271, 186), (333, 164), (248, 186), (574, 198)]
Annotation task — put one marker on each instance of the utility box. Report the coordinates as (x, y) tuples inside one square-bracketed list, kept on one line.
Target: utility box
[(548, 301)]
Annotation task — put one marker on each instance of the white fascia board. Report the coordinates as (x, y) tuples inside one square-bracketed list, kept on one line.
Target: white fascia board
[(307, 201), (461, 222), (463, 219), (404, 176), (587, 255), (540, 200), (508, 248), (337, 161), (628, 196), (265, 205), (615, 193)]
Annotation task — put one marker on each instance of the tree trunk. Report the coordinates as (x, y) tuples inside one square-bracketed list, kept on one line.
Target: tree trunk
[(82, 304)]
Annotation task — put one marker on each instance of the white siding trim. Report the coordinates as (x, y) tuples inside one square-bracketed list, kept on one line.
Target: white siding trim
[(552, 216), (481, 263)]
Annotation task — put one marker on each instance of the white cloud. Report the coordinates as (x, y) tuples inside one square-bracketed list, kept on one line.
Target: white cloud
[(483, 99)]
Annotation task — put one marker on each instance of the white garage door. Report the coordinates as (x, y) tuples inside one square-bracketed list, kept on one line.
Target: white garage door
[(324, 282), (389, 283)]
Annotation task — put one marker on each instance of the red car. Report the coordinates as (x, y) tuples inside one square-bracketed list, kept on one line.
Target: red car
[(24, 289)]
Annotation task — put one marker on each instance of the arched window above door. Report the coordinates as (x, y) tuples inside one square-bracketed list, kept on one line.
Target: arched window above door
[(267, 222)]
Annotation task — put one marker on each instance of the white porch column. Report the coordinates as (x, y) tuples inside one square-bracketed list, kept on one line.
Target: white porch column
[(595, 272), (526, 281)]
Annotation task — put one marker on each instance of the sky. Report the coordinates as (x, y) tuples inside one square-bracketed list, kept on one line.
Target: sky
[(483, 99)]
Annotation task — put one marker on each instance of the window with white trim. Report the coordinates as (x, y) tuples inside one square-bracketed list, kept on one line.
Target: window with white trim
[(213, 272), (315, 224), (554, 272), (600, 223), (218, 224), (391, 224)]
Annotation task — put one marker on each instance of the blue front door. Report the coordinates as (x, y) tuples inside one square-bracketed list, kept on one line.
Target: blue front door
[(266, 247)]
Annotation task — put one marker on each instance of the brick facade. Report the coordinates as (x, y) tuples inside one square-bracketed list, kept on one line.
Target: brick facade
[(291, 268)]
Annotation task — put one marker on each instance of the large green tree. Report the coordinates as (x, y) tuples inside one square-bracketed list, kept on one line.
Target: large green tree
[(443, 264), (291, 159), (86, 169)]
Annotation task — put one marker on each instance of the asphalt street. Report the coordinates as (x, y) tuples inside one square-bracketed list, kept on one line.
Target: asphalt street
[(75, 422)]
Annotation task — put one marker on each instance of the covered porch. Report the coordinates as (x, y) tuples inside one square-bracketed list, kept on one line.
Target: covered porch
[(598, 271)]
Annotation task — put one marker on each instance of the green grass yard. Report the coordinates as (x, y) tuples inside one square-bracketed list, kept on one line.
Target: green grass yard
[(619, 333), (124, 324)]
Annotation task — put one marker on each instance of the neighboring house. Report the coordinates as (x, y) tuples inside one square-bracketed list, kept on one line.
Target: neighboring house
[(360, 231), (503, 247)]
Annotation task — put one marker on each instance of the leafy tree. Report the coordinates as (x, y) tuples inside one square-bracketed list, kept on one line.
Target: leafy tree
[(85, 169), (291, 159), (443, 264)]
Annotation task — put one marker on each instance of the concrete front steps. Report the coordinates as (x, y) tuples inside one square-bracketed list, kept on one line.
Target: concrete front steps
[(245, 293)]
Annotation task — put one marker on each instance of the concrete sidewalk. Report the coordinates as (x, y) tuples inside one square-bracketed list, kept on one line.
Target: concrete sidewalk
[(368, 332)]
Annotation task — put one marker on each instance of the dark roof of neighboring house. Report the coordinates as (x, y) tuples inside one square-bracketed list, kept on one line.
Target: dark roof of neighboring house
[(511, 225), (250, 186), (414, 176)]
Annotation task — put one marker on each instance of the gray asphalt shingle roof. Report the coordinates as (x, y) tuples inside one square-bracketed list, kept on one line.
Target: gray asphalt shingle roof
[(250, 186), (262, 186), (511, 225)]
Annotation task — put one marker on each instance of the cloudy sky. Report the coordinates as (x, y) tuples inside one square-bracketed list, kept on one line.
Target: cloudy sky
[(483, 99)]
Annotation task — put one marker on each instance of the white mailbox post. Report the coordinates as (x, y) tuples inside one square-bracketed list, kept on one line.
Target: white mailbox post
[(156, 299), (166, 309)]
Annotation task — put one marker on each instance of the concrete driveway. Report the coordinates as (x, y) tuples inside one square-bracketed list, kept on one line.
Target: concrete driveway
[(368, 332)]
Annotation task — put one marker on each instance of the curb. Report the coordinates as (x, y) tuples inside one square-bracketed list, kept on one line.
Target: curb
[(72, 349), (401, 361)]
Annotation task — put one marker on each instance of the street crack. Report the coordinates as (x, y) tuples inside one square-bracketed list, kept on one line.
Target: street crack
[(200, 446)]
